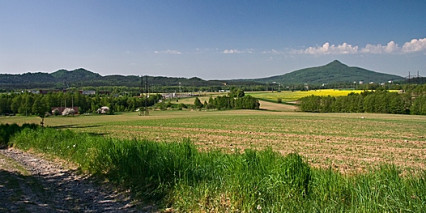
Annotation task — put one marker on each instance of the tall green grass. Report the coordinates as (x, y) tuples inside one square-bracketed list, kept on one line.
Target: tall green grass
[(177, 175), (7, 131)]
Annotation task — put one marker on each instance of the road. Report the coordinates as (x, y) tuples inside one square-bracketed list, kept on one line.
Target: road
[(29, 183)]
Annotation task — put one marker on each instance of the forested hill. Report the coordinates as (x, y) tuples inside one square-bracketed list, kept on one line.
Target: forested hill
[(334, 72), (83, 78)]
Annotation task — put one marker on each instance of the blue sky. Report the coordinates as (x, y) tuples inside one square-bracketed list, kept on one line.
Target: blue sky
[(211, 39)]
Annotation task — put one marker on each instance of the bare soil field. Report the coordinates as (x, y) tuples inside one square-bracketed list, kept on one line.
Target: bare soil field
[(345, 142)]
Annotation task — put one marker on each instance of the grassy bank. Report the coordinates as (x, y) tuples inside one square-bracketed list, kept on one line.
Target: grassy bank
[(177, 175)]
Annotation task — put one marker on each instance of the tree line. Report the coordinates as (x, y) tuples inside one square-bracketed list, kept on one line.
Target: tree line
[(236, 99), (37, 104), (410, 101)]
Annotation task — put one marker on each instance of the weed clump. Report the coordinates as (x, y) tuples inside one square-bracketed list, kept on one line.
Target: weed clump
[(7, 131)]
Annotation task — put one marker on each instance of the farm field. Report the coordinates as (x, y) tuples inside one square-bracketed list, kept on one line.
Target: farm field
[(349, 143), (268, 100), (264, 105), (288, 96)]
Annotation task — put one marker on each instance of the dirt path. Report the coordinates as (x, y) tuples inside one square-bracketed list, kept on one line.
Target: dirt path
[(31, 184), (266, 105)]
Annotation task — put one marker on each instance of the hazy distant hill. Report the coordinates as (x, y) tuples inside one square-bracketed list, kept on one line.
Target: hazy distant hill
[(75, 75), (82, 77), (334, 72)]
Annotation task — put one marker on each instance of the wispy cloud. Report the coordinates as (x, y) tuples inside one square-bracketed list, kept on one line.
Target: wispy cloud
[(170, 52), (415, 45), (273, 52), (236, 51)]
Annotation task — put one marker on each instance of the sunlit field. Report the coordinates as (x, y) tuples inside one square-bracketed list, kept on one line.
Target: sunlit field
[(345, 142), (288, 96)]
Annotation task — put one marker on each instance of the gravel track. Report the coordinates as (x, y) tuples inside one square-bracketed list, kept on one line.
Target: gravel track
[(29, 183)]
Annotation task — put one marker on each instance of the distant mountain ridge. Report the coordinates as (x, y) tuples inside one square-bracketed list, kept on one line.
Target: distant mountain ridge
[(83, 78), (334, 72)]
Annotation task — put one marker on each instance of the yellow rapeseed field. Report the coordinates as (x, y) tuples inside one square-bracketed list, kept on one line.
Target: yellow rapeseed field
[(288, 96)]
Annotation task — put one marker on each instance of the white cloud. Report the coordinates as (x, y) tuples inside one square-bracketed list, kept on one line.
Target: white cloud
[(170, 52), (391, 47), (415, 45), (327, 49), (236, 51)]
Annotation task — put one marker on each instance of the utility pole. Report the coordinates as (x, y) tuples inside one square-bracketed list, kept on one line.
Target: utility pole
[(72, 104), (140, 94), (146, 96)]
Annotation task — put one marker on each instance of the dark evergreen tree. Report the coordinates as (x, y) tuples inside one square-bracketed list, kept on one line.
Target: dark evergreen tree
[(198, 103)]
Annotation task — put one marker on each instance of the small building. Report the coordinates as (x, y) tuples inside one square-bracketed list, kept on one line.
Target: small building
[(103, 110), (64, 110), (104, 92), (88, 92), (44, 92)]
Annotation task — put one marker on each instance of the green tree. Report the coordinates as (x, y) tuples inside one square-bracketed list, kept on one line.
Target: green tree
[(396, 104), (39, 108), (419, 106), (212, 103), (310, 103), (236, 93), (5, 102), (16, 103), (198, 103)]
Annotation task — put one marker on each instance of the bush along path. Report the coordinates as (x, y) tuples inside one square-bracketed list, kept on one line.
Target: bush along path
[(31, 184)]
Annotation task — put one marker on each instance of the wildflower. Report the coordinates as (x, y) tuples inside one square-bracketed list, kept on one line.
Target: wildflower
[(259, 207), (73, 146)]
